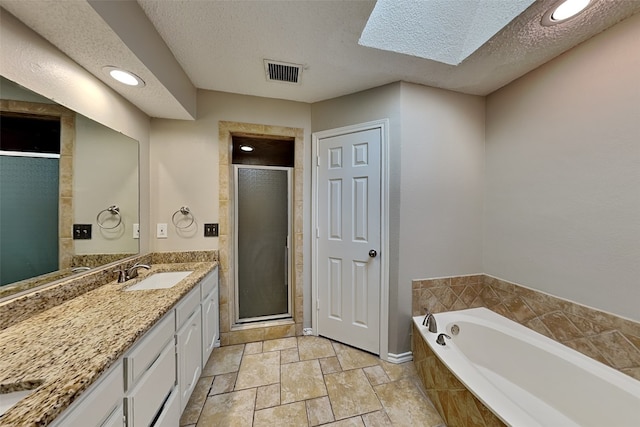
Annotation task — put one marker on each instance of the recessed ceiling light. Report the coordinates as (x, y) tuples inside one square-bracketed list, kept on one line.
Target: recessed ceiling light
[(124, 76), (246, 148), (564, 10)]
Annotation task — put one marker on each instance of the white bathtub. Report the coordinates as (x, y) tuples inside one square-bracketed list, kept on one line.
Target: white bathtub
[(527, 379)]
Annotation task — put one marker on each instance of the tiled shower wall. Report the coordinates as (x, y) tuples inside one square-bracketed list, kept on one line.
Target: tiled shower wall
[(609, 339)]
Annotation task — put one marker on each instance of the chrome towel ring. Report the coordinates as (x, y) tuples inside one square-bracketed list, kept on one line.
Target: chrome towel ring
[(184, 210), (113, 210)]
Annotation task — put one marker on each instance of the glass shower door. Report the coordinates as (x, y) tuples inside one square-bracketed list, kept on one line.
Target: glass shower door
[(262, 233)]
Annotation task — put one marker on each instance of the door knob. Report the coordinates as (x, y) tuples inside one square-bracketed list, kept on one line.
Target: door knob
[(373, 253)]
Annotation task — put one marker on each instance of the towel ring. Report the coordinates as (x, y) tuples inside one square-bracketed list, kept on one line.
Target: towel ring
[(184, 210), (113, 210)]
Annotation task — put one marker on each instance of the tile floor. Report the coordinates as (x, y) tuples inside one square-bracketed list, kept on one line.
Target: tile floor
[(306, 381)]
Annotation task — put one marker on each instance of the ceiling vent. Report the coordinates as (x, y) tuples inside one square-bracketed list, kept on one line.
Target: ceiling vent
[(282, 71)]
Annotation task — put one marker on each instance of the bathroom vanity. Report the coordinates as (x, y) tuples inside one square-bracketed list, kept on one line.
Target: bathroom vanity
[(112, 357)]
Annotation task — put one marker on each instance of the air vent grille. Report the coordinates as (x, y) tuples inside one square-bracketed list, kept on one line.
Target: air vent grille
[(282, 72)]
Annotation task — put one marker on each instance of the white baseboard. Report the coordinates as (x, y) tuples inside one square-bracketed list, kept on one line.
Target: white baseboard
[(400, 358)]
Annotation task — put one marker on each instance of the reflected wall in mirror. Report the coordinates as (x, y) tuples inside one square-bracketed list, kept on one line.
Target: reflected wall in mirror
[(43, 193)]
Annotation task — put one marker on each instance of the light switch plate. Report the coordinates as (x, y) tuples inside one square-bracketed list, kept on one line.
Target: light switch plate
[(161, 231), (136, 231)]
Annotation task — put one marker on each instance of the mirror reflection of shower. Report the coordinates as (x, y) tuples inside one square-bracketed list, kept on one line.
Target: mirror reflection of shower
[(263, 185)]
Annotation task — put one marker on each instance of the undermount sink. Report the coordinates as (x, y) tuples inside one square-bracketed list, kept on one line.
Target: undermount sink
[(162, 280), (10, 398)]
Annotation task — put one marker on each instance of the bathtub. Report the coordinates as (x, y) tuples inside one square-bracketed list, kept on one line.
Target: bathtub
[(527, 379)]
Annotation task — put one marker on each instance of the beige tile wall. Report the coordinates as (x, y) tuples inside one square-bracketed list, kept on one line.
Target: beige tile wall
[(612, 340), (237, 334)]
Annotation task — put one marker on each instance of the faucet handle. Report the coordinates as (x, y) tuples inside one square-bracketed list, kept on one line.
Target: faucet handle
[(440, 340), (122, 275)]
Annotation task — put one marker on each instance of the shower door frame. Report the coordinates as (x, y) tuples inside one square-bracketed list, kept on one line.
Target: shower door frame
[(289, 257)]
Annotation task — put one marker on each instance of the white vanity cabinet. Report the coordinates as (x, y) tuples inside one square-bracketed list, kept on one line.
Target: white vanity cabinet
[(100, 405), (210, 314), (189, 344), (150, 373)]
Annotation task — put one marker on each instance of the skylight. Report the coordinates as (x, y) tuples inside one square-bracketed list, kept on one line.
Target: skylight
[(440, 30)]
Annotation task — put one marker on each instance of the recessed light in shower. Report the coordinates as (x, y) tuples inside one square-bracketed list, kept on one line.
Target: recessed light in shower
[(246, 148), (564, 10), (123, 76)]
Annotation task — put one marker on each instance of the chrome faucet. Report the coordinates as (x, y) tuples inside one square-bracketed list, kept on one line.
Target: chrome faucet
[(440, 340), (430, 322), (127, 274), (133, 271)]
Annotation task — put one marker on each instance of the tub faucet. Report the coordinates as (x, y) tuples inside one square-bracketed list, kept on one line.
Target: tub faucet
[(440, 340), (430, 322), (133, 271)]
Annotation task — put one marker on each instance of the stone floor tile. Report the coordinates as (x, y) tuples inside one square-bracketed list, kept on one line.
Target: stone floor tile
[(230, 410), (311, 347), (258, 370), (268, 396), (301, 381), (196, 401), (330, 365), (351, 358), (279, 344), (223, 383), (351, 394), (376, 375), (289, 355), (253, 348), (223, 360), (377, 419), (396, 371), (293, 414), (349, 422), (406, 405), (319, 411)]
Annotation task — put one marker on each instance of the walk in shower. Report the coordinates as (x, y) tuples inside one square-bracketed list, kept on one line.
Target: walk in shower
[(263, 170)]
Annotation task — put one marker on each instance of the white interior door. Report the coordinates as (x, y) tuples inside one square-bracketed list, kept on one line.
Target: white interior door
[(349, 238)]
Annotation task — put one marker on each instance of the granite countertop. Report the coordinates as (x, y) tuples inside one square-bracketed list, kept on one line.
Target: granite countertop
[(64, 349)]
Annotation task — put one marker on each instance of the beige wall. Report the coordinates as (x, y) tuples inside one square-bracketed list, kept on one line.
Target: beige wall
[(184, 167), (34, 63), (562, 203), (442, 190)]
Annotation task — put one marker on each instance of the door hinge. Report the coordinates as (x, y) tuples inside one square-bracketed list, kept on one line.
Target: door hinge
[(317, 160), (317, 305), (317, 232)]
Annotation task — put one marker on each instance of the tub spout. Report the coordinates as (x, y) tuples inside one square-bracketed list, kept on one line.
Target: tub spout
[(430, 322), (440, 340)]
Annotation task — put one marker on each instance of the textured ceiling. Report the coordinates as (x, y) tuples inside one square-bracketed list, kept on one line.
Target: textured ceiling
[(221, 45)]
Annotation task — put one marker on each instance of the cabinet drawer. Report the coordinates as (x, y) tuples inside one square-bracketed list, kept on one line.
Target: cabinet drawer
[(146, 399), (98, 402), (209, 283), (170, 415), (187, 305), (142, 356)]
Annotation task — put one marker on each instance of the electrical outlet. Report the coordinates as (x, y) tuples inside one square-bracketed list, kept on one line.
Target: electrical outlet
[(81, 231), (211, 230), (136, 231), (161, 231)]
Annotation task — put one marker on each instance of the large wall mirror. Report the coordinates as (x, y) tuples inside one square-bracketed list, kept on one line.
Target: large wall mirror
[(69, 197)]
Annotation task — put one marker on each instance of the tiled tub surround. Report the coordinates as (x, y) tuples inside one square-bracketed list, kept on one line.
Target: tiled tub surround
[(16, 310), (612, 340), (525, 378), (457, 405), (69, 346)]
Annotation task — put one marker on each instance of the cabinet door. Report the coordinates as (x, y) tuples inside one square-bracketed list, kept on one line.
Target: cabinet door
[(189, 347), (210, 324), (170, 415), (116, 419), (98, 403)]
